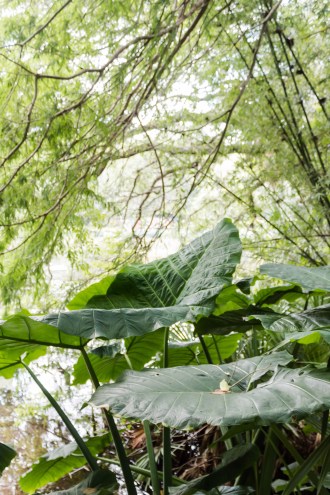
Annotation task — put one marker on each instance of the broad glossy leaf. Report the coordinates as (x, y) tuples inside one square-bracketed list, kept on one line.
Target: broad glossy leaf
[(139, 351), (21, 334), (121, 323), (306, 327), (240, 320), (99, 289), (7, 454), (109, 351), (230, 299), (32, 331), (9, 361), (144, 298), (97, 483), (234, 462), (54, 465), (318, 352), (308, 278), (272, 295), (186, 396), (192, 276)]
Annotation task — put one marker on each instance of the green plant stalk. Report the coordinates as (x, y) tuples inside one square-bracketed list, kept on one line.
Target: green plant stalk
[(143, 471), (205, 350), (217, 349), (280, 457), (269, 463), (324, 426), (167, 454), (152, 461), (307, 466), (79, 441), (228, 442), (167, 460), (293, 451), (124, 462), (165, 348)]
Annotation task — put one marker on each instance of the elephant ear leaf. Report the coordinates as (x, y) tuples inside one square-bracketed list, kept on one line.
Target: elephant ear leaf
[(56, 464), (192, 276), (306, 327), (308, 278), (7, 454), (144, 298), (189, 396)]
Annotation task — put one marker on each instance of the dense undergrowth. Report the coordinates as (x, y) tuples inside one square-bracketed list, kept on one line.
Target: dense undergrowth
[(223, 386)]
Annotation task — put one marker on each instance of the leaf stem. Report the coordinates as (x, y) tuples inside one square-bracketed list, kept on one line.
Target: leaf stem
[(79, 441), (124, 462), (165, 348), (324, 425), (167, 453), (152, 460), (217, 349), (205, 349), (144, 472), (167, 460)]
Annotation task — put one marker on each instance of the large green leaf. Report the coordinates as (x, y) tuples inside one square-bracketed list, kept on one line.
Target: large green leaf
[(240, 320), (230, 299), (7, 454), (21, 334), (306, 327), (308, 278), (35, 330), (54, 465), (144, 298), (185, 396), (271, 295), (97, 483), (98, 289), (121, 323), (192, 276), (139, 351), (9, 363), (234, 463)]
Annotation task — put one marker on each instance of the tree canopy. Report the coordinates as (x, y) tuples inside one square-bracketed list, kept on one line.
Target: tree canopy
[(144, 112)]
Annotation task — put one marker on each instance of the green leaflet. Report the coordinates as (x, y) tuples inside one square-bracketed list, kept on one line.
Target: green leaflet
[(54, 465), (184, 397), (7, 454), (308, 278)]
